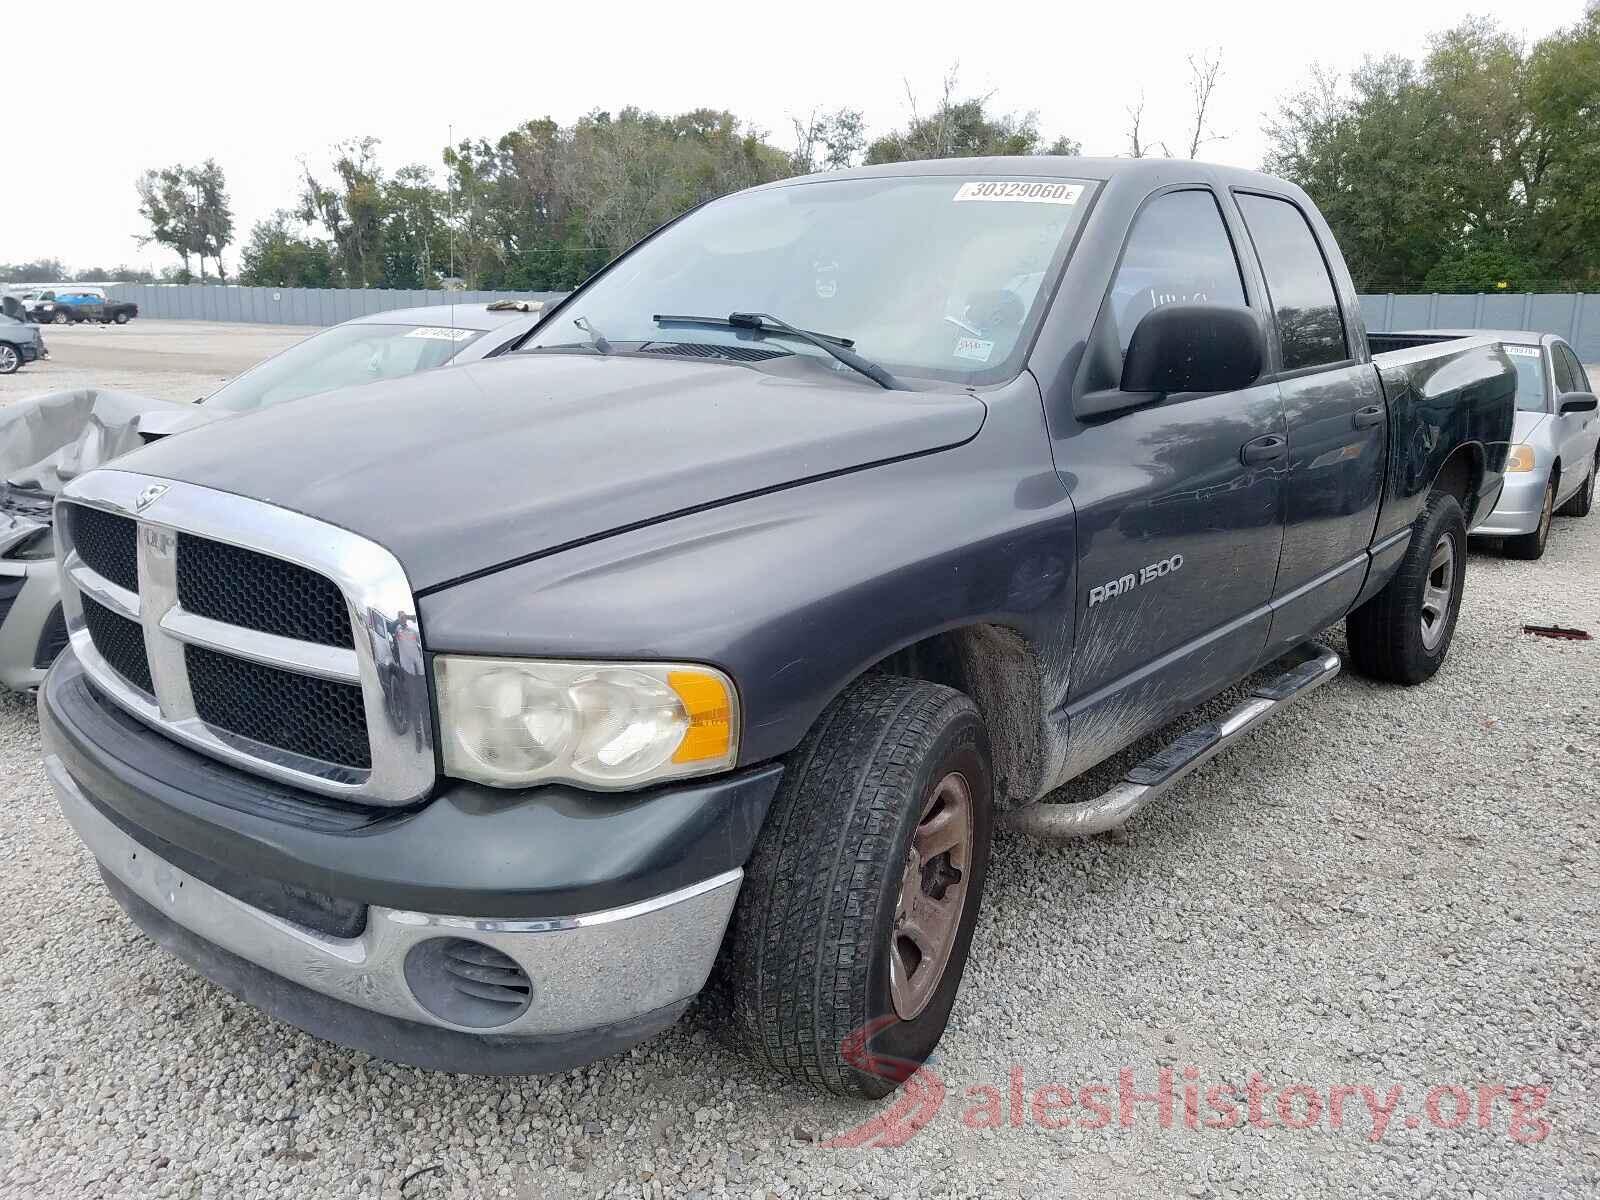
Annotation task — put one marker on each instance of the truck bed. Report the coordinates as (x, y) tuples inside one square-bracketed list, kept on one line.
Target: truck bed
[(1443, 391)]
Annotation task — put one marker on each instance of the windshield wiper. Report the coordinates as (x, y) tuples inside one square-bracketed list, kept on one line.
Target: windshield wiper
[(596, 338), (837, 347)]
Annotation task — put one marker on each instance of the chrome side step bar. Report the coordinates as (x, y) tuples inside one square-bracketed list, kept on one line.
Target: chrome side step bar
[(1302, 671)]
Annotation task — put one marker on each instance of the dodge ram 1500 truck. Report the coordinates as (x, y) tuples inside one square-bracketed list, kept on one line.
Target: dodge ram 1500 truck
[(474, 718)]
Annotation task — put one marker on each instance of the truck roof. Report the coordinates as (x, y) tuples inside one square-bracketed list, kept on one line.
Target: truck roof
[(1155, 171)]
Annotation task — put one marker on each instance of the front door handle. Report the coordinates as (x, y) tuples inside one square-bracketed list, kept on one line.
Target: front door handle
[(1369, 416), (1264, 449)]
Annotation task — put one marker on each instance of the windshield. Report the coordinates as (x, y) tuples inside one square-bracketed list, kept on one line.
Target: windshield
[(933, 276), (1529, 362), (342, 357)]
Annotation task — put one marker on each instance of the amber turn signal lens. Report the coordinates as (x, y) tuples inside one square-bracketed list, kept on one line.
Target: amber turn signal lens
[(1520, 459), (706, 699)]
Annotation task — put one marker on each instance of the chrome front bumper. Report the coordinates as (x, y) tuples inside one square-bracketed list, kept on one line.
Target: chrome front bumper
[(588, 971)]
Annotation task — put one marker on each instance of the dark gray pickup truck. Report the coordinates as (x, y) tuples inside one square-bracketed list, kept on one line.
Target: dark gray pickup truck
[(718, 624)]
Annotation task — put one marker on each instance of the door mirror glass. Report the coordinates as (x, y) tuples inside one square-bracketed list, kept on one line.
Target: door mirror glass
[(1194, 348), (1577, 402)]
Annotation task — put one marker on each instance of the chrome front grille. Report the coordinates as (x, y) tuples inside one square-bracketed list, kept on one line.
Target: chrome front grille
[(255, 634)]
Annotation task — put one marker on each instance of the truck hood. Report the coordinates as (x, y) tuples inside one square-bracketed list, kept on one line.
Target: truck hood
[(465, 469)]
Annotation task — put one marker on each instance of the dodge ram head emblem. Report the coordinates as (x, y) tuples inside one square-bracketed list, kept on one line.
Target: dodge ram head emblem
[(149, 496)]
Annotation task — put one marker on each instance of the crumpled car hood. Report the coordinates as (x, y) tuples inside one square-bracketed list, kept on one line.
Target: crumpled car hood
[(47, 441)]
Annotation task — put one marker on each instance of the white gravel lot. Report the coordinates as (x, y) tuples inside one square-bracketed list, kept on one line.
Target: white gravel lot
[(1390, 888)]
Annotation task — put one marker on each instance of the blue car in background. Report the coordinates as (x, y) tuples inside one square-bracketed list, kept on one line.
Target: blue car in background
[(68, 304), (79, 305)]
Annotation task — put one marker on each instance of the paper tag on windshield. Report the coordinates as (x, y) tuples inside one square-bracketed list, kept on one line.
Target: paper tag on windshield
[(976, 349), (438, 333), (1523, 351), (1023, 193)]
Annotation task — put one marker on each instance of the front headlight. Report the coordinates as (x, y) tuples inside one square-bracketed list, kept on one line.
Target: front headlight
[(1520, 459), (517, 722)]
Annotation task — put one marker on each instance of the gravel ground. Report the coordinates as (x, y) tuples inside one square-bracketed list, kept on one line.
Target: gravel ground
[(1384, 887)]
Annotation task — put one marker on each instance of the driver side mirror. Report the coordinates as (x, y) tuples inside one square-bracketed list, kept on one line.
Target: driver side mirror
[(1184, 348), (1577, 402)]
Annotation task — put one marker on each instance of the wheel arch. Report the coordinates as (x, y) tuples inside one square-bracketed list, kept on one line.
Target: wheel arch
[(1461, 476), (1003, 672)]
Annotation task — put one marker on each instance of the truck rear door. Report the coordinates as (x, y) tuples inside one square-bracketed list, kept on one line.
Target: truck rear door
[(1179, 521), (1337, 425)]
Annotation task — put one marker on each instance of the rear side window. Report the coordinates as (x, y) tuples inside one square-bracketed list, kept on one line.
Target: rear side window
[(1580, 378), (1563, 372), (1178, 253), (1310, 327)]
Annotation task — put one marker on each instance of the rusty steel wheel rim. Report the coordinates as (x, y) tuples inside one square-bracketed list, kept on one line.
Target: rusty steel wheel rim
[(933, 894)]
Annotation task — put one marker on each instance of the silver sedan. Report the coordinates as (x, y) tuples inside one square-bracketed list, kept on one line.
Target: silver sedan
[(1555, 451)]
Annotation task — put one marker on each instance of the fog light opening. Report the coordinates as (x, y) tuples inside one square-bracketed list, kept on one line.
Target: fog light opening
[(467, 983)]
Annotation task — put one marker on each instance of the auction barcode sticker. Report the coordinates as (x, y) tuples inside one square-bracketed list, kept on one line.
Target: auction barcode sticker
[(1523, 351), (439, 333), (1022, 193)]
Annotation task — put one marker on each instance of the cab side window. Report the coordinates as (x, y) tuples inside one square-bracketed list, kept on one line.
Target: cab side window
[(1178, 253), (1310, 326)]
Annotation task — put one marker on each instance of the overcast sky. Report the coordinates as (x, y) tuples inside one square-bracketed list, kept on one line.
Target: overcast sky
[(100, 91)]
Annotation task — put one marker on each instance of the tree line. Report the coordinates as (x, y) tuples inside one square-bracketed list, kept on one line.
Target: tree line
[(1473, 167), (544, 205)]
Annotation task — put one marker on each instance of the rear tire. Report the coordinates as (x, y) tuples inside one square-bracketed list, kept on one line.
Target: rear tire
[(1531, 546), (1581, 501), (824, 945), (1403, 633)]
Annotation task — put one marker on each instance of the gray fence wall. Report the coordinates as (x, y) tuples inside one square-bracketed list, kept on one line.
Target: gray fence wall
[(289, 306), (1574, 316)]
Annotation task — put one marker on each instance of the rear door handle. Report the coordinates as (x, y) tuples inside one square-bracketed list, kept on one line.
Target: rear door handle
[(1369, 416), (1264, 449)]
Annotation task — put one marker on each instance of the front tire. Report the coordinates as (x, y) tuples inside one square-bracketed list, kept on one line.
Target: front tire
[(859, 903), (1531, 546), (1582, 500), (121, 318), (10, 359), (1403, 633), (60, 318)]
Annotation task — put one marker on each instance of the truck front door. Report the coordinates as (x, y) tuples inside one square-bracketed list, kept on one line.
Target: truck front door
[(1178, 502), (1338, 425)]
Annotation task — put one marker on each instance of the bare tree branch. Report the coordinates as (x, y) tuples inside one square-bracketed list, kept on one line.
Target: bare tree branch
[(1204, 71), (1136, 147)]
